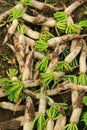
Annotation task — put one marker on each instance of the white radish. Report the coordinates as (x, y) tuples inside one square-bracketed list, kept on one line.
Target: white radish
[(11, 106), (62, 39), (32, 34), (42, 102), (31, 83), (74, 5), (74, 53), (82, 60), (29, 114), (28, 68)]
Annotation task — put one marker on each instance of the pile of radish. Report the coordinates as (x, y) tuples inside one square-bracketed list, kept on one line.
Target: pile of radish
[(51, 54)]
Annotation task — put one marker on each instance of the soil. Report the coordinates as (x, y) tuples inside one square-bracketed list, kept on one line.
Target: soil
[(7, 59)]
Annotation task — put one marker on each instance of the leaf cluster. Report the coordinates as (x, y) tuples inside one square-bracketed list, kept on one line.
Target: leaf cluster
[(62, 66), (80, 80)]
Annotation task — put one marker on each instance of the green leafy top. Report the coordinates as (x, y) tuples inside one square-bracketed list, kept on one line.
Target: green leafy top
[(83, 23), (73, 29), (12, 72), (47, 78), (52, 112), (71, 126), (84, 99), (41, 46), (62, 66), (84, 118), (21, 29), (45, 36), (40, 121), (42, 66), (12, 87), (61, 22), (60, 16), (80, 80), (15, 14)]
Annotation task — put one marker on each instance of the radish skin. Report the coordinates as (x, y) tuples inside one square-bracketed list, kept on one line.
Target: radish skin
[(74, 53), (60, 123), (82, 60), (29, 114), (31, 83), (50, 124), (73, 6), (52, 65), (11, 106), (41, 6), (42, 102), (62, 39), (75, 115), (32, 34), (38, 55), (2, 93), (28, 72)]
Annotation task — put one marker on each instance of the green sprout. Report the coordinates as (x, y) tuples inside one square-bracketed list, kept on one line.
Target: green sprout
[(15, 14), (40, 121), (41, 46), (21, 29), (71, 126), (60, 16), (61, 22), (71, 78), (45, 36), (60, 27), (84, 100), (82, 79), (52, 112), (62, 66), (84, 118), (42, 66), (12, 87), (73, 29), (83, 23), (47, 78), (12, 72)]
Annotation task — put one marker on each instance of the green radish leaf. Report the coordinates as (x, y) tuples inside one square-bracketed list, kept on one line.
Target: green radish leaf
[(71, 126), (42, 66), (83, 23), (84, 100), (62, 66), (21, 29), (45, 36), (41, 122), (41, 46), (12, 72), (47, 78), (52, 112), (84, 118)]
